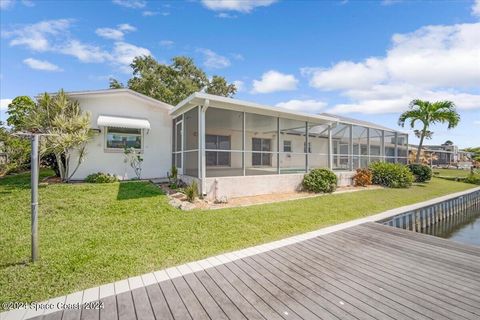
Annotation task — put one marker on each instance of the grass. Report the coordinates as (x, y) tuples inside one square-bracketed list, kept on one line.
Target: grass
[(452, 172), (91, 234)]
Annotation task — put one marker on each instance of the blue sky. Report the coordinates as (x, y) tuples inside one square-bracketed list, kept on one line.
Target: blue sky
[(356, 58)]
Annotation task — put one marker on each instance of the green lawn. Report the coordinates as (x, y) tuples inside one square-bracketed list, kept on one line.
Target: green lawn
[(92, 234), (452, 172)]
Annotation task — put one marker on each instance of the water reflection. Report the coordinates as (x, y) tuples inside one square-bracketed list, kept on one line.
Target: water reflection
[(464, 227)]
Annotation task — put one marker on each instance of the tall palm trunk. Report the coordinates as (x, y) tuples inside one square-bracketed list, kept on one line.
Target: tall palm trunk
[(417, 158)]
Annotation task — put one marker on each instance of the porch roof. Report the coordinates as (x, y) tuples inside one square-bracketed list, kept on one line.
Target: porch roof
[(200, 98)]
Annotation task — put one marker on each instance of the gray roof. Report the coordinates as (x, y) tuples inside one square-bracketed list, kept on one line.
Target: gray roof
[(360, 122)]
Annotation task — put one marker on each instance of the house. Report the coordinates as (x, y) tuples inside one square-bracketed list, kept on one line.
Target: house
[(230, 147), (445, 155)]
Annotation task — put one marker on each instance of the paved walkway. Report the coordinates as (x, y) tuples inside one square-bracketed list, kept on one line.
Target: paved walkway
[(370, 271)]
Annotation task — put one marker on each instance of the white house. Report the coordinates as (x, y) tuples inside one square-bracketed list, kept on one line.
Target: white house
[(231, 147)]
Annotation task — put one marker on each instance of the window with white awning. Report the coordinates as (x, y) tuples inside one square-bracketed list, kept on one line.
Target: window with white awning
[(123, 132)]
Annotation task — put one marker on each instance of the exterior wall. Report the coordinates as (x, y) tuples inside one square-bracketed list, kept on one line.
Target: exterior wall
[(232, 187), (156, 141)]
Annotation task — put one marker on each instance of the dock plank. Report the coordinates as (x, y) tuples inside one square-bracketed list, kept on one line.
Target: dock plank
[(370, 271)]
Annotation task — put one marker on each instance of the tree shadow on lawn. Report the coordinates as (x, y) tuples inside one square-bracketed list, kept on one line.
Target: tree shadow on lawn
[(137, 190)]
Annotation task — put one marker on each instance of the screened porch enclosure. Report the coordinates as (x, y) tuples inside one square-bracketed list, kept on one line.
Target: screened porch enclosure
[(226, 142)]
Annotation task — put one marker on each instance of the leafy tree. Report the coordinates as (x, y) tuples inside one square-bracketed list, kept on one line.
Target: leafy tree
[(173, 82), (428, 114), (16, 151), (220, 87), (18, 111), (67, 130), (448, 143)]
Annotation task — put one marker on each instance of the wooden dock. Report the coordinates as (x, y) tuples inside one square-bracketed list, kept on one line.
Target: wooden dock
[(370, 271)]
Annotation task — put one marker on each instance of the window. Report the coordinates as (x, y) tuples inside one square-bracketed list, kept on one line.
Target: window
[(121, 138), (287, 146), (219, 143), (261, 159)]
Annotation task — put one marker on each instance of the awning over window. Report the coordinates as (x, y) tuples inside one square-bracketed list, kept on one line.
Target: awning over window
[(122, 122)]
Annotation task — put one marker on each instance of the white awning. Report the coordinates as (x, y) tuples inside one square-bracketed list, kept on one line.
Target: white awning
[(122, 122)]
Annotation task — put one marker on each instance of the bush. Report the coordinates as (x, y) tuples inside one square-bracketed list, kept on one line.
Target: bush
[(421, 172), (191, 191), (392, 175), (101, 177), (320, 180), (473, 179), (363, 177)]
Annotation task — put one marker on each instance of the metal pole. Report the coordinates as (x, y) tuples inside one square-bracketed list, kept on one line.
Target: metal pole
[(34, 182)]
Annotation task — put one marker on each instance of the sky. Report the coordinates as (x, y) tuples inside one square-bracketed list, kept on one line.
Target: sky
[(361, 59)]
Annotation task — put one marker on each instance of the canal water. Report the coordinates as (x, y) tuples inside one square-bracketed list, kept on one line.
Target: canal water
[(464, 227)]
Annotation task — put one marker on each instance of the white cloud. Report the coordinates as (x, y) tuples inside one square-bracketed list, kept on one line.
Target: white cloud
[(310, 106), (41, 65), (148, 13), (476, 8), (133, 4), (477, 122), (166, 43), (225, 15), (109, 33), (125, 27), (240, 85), (236, 5), (238, 56), (115, 34), (214, 60), (390, 2), (4, 104), (37, 36), (124, 53), (84, 52), (6, 4), (433, 63), (273, 81)]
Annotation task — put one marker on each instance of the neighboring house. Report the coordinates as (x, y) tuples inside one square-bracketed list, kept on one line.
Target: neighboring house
[(446, 155), (231, 147)]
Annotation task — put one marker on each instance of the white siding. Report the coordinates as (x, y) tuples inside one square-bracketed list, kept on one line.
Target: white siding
[(157, 140)]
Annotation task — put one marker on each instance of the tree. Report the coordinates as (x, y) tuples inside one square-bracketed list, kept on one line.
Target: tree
[(67, 130), (173, 82), (428, 114), (18, 111), (220, 87), (15, 150), (448, 143)]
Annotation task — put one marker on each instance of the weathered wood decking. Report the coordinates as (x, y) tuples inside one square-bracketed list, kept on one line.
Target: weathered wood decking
[(369, 271)]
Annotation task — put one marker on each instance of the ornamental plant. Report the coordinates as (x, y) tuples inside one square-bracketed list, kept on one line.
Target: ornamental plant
[(391, 175), (320, 180), (421, 172), (362, 177)]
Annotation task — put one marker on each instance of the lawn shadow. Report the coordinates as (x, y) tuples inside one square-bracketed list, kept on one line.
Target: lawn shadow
[(14, 264), (137, 190)]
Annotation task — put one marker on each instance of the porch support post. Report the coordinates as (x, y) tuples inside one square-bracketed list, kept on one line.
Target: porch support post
[(199, 138), (350, 148), (244, 146), (368, 146), (202, 148), (307, 140), (183, 143), (396, 147), (382, 149), (278, 145), (330, 148)]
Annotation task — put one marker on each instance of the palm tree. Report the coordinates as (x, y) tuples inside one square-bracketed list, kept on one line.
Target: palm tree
[(428, 114)]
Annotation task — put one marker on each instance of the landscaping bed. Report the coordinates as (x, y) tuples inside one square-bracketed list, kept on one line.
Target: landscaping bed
[(92, 234)]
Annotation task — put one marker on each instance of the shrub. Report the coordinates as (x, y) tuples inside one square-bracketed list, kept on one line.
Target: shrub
[(392, 175), (101, 177), (320, 180), (363, 177), (421, 172), (473, 179), (191, 191)]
